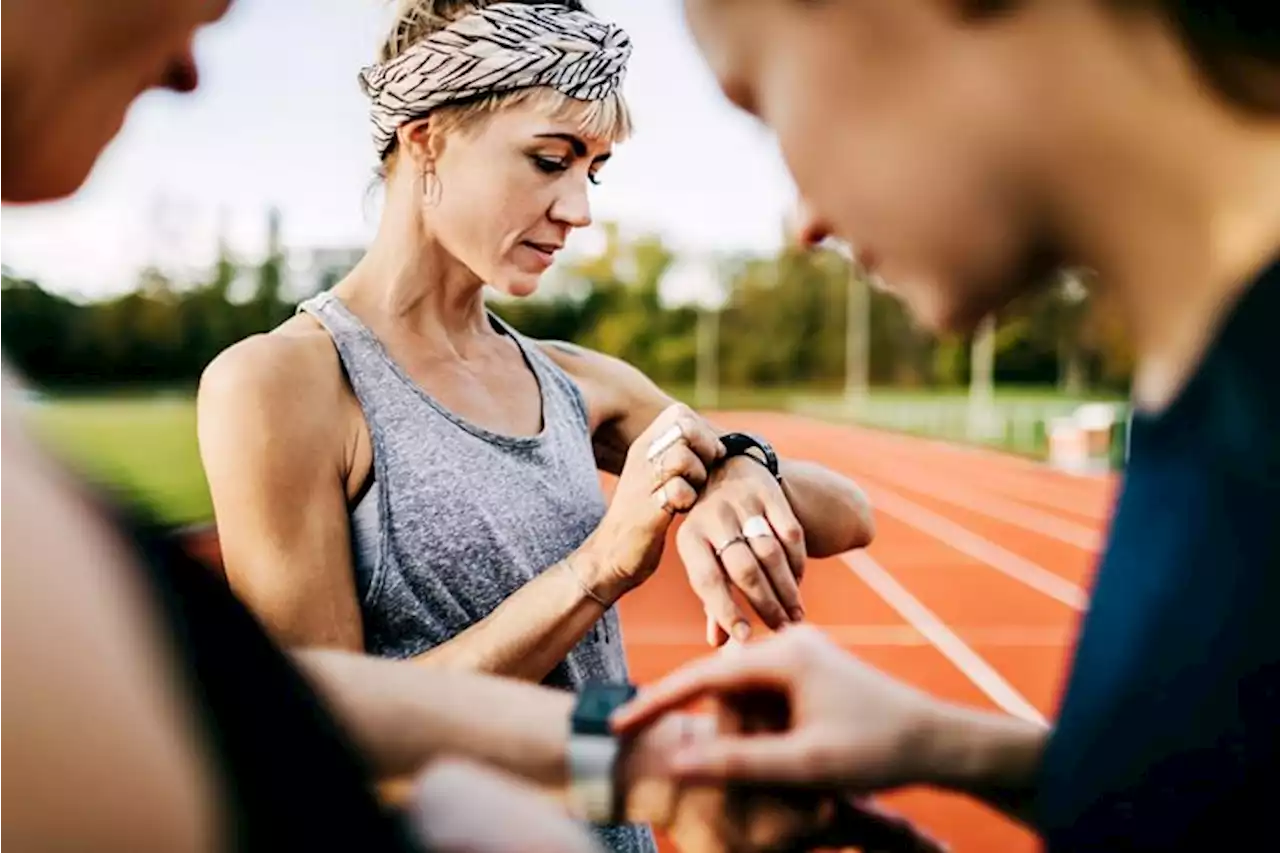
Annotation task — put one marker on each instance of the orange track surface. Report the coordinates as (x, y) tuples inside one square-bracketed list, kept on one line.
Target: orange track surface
[(948, 517)]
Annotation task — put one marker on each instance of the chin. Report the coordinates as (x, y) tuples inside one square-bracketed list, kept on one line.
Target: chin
[(517, 285), (38, 184), (938, 309)]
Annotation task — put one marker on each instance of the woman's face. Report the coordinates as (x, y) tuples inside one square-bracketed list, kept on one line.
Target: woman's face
[(71, 77), (507, 193)]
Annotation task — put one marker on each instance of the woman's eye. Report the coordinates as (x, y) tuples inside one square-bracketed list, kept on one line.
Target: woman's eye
[(594, 178), (549, 165)]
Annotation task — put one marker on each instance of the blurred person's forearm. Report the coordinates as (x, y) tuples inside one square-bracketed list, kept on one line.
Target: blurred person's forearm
[(993, 757), (404, 717)]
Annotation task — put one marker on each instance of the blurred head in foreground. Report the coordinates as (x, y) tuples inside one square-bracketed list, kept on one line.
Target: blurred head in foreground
[(71, 71), (966, 147), (491, 121)]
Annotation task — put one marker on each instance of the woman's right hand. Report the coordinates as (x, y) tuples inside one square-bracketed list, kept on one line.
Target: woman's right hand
[(665, 470), (849, 726)]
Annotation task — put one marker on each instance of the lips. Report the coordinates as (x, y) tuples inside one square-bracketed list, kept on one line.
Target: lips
[(545, 252)]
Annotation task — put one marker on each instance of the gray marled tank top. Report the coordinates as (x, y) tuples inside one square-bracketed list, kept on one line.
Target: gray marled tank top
[(458, 518)]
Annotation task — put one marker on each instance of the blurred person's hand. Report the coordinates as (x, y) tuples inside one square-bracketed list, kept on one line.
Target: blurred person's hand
[(848, 725), (712, 817)]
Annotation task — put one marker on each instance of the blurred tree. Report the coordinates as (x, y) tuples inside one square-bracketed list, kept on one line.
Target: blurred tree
[(784, 324)]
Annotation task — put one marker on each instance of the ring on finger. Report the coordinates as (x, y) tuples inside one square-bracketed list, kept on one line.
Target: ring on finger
[(660, 475), (757, 527), (727, 545), (661, 444), (665, 501)]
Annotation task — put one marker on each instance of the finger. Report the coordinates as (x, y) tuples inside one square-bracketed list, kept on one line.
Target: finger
[(710, 585), (675, 496), (680, 461), (758, 665), (777, 759), (700, 437), (742, 567), (772, 557), (662, 433), (716, 635), (789, 532)]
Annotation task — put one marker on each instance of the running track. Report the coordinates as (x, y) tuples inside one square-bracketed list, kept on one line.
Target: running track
[(972, 589)]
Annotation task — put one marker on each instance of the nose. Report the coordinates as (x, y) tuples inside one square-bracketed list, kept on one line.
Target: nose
[(181, 74), (571, 206), (807, 226)]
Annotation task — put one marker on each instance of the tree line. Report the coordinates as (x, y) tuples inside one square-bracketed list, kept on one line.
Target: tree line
[(782, 324)]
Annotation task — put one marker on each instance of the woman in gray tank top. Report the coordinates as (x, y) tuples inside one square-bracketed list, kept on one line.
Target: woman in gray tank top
[(398, 471)]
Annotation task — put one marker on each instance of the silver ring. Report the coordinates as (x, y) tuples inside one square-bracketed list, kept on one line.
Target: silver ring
[(757, 527), (727, 545), (661, 444), (664, 501)]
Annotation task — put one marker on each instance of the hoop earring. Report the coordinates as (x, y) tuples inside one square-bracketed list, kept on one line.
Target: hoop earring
[(431, 188)]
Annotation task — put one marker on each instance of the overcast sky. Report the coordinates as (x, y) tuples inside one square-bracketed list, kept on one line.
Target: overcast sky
[(279, 120)]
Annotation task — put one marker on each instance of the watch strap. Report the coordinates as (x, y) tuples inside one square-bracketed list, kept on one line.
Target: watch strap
[(753, 447), (593, 752)]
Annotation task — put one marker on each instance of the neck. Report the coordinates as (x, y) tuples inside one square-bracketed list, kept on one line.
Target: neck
[(1177, 211), (415, 284)]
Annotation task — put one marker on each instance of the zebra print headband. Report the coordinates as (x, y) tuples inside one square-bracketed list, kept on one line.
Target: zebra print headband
[(497, 48)]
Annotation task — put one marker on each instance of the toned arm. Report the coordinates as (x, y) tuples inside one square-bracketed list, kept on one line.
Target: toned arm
[(276, 451), (832, 510)]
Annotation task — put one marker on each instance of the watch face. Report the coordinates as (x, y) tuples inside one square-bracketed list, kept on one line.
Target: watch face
[(596, 703)]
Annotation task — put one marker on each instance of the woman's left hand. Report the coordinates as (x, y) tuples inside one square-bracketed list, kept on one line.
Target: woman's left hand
[(742, 532)]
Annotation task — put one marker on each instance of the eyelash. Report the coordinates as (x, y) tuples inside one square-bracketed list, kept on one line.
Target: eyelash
[(550, 166)]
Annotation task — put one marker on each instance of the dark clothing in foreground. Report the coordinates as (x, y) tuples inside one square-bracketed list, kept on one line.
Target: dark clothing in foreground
[(289, 778), (1169, 730)]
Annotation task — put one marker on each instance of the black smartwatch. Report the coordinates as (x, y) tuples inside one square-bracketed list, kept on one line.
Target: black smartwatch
[(753, 447), (593, 752)]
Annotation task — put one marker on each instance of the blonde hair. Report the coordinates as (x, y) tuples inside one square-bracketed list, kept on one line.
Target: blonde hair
[(607, 118)]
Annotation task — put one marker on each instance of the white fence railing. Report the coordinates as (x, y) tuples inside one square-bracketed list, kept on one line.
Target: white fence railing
[(1065, 431)]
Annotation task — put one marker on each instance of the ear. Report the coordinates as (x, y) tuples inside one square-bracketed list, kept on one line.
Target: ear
[(420, 141)]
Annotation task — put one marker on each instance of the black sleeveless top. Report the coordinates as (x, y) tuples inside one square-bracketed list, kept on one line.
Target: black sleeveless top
[(290, 779)]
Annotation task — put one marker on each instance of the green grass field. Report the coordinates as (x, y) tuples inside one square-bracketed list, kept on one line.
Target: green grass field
[(145, 445)]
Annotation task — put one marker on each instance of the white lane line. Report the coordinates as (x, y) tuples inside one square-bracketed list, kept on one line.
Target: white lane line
[(1007, 511), (965, 659), (866, 636), (979, 547)]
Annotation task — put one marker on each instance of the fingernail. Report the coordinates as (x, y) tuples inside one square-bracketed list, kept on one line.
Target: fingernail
[(741, 631), (797, 614)]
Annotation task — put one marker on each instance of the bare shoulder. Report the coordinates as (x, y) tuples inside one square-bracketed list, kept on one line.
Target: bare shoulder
[(601, 374), (618, 393), (288, 381)]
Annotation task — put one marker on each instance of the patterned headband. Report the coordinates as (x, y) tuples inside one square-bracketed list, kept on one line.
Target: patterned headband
[(497, 48)]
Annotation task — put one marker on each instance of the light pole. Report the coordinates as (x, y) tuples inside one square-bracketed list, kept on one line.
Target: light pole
[(981, 381), (857, 342), (1070, 365), (695, 281), (708, 356)]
